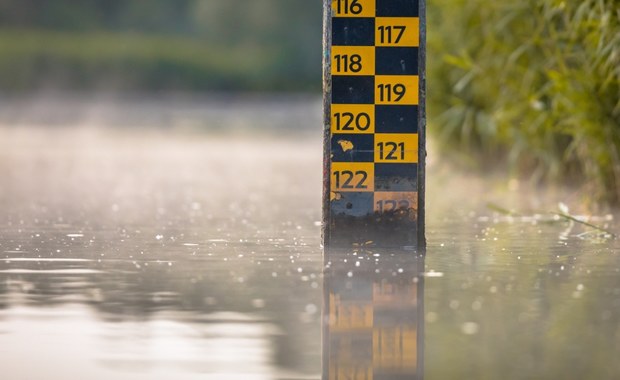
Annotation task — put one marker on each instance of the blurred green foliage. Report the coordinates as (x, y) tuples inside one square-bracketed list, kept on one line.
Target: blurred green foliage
[(160, 44), (535, 82)]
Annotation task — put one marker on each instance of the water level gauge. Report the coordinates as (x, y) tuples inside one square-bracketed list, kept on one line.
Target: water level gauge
[(374, 123)]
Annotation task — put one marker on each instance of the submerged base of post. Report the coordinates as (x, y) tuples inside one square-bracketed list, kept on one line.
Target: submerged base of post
[(389, 230)]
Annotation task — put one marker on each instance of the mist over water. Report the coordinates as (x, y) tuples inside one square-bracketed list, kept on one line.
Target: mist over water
[(193, 250)]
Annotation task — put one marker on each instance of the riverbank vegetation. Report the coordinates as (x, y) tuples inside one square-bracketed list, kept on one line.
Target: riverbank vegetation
[(167, 45), (116, 61), (534, 83)]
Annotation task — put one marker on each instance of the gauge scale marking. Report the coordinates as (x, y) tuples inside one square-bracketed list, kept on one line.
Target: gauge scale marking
[(375, 123)]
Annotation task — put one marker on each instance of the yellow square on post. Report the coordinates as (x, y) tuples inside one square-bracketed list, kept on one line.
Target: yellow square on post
[(397, 31), (353, 118), (396, 148), (353, 177), (397, 89), (393, 201), (353, 60), (353, 8)]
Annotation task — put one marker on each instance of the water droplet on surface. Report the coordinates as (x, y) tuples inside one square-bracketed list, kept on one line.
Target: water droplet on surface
[(432, 274), (470, 328), (311, 308), (476, 305)]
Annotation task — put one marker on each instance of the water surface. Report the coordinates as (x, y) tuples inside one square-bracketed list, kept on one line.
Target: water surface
[(192, 249)]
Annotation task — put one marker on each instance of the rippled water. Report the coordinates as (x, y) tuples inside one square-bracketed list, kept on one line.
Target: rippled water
[(192, 250)]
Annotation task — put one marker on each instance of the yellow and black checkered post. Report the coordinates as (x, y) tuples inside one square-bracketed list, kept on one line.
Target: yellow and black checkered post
[(375, 123)]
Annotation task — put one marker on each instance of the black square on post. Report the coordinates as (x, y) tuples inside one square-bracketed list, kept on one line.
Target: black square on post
[(349, 31), (398, 8)]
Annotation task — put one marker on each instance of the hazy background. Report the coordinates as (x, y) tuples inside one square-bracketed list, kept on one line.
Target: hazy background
[(156, 45), (533, 86)]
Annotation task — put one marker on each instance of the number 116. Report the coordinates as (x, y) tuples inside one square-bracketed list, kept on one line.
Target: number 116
[(349, 7)]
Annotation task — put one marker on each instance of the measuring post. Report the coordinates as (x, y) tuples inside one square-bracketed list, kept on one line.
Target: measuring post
[(375, 123)]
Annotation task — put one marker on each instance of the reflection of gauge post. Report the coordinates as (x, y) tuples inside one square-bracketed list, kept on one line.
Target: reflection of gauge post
[(375, 123), (373, 325)]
